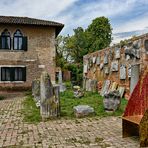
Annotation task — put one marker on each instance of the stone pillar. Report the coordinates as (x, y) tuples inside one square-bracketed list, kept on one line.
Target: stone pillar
[(61, 84), (49, 97), (36, 90), (135, 72)]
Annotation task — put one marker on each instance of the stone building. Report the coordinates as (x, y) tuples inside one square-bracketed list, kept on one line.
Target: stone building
[(27, 47), (114, 63)]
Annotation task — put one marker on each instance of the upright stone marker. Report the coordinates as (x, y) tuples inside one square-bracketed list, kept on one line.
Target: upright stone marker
[(61, 84), (117, 53), (122, 72), (36, 90), (135, 72), (49, 98)]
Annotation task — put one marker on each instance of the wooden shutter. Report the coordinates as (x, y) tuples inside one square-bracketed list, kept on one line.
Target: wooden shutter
[(24, 73), (0, 42), (25, 43), (12, 73)]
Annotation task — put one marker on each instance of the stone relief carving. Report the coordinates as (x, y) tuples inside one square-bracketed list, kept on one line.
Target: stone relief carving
[(98, 60), (106, 58), (114, 66), (94, 59), (146, 46), (101, 66), (133, 51), (117, 53), (122, 72), (129, 71), (106, 70)]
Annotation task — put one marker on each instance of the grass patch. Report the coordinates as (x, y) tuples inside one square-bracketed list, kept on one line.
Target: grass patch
[(30, 112), (92, 99)]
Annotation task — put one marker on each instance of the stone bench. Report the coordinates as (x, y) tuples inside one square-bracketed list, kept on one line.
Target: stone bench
[(135, 117)]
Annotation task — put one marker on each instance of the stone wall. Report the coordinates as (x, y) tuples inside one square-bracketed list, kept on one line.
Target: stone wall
[(111, 63), (40, 55)]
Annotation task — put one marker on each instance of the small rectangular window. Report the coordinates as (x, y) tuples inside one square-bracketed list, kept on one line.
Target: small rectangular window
[(13, 73), (5, 74)]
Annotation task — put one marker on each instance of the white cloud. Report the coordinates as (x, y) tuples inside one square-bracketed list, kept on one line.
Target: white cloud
[(34, 8)]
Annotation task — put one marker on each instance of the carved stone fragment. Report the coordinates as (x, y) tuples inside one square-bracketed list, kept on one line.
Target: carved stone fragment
[(114, 66), (146, 46), (112, 101), (105, 87), (36, 90), (85, 68), (106, 58), (98, 60), (101, 66), (122, 72), (49, 97), (117, 53)]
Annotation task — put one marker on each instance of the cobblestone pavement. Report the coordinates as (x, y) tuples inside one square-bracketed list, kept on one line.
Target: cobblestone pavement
[(87, 132)]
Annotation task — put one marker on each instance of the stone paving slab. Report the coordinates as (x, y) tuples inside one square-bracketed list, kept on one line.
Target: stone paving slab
[(81, 133)]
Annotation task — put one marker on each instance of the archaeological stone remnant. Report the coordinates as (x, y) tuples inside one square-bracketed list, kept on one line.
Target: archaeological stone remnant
[(101, 66), (106, 58), (105, 87), (50, 102), (85, 68), (36, 90), (106, 71), (129, 71), (60, 82), (112, 101), (83, 110), (135, 73), (122, 72), (98, 60), (146, 46), (114, 66), (94, 60), (117, 53)]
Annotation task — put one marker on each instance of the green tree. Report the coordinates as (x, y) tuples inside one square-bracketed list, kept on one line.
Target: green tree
[(62, 55), (100, 33)]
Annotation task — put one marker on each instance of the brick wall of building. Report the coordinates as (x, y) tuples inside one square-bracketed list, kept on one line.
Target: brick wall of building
[(40, 55), (94, 70)]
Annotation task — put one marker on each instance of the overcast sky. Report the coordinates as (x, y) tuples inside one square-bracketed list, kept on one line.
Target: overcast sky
[(127, 17)]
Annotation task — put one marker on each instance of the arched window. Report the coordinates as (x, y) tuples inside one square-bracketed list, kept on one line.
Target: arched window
[(146, 46), (18, 40), (5, 40)]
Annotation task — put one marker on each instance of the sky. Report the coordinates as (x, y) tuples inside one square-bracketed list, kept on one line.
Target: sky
[(127, 17)]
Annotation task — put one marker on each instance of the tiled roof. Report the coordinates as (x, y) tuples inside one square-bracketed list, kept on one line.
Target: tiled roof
[(29, 21)]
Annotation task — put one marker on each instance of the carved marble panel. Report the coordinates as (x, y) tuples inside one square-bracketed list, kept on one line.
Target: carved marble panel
[(117, 53), (122, 72), (106, 58), (137, 44), (146, 46), (85, 68), (98, 60), (129, 71), (114, 66), (94, 59), (101, 66), (106, 71)]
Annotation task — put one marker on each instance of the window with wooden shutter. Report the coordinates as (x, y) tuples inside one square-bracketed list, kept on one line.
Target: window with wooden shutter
[(13, 73), (5, 41), (25, 43), (18, 40)]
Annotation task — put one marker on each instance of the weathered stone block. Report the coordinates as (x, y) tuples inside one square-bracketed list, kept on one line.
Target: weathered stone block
[(49, 97), (122, 72), (36, 90), (112, 101), (114, 66), (83, 110)]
